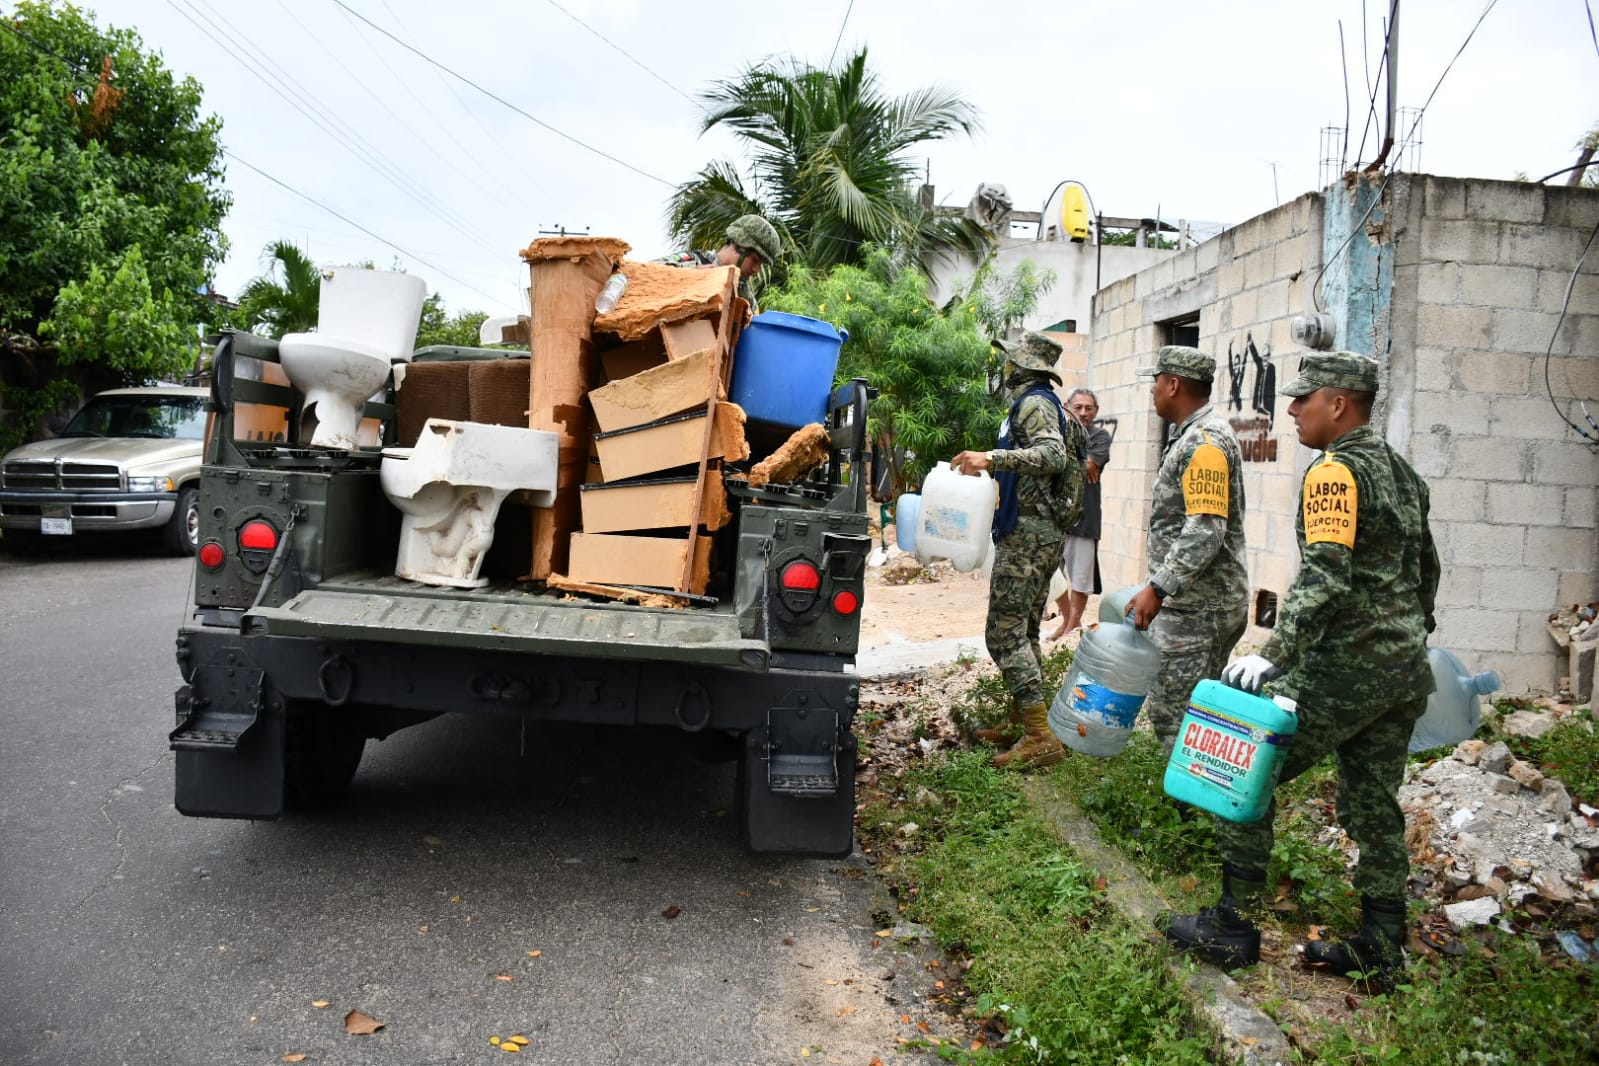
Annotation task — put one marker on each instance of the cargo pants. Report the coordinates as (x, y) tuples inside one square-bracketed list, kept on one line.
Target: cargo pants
[(1017, 591), (1194, 644), (1370, 745)]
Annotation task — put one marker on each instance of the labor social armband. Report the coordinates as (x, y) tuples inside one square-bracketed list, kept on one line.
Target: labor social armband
[(1331, 504), (1205, 481)]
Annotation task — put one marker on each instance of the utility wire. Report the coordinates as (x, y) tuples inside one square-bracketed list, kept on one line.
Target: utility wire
[(625, 53), (840, 36), (1448, 68), (504, 102), (1591, 438), (1591, 31)]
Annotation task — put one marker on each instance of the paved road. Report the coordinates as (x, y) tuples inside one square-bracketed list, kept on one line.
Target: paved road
[(131, 934)]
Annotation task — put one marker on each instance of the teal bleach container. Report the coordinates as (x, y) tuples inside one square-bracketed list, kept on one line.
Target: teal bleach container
[(907, 516), (1454, 710), (1113, 670), (783, 368), (1230, 747)]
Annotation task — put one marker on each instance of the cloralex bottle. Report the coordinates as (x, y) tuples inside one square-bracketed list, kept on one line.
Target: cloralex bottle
[(615, 286)]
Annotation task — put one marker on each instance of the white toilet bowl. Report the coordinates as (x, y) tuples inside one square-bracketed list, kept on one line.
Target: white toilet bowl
[(365, 320), (449, 489)]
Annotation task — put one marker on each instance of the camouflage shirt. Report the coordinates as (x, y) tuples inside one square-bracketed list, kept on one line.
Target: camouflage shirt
[(1050, 488), (696, 259), (1196, 517), (1353, 628)]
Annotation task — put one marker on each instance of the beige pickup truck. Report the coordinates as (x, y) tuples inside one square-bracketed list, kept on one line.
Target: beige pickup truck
[(129, 460)]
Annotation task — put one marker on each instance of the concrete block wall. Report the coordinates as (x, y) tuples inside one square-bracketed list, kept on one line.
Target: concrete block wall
[(1481, 278)]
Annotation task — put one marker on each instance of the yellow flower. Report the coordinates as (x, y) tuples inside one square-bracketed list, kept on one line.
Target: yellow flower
[(821, 309), (848, 297)]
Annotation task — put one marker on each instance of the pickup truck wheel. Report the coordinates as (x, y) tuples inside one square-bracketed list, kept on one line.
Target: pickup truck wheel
[(322, 749), (181, 534)]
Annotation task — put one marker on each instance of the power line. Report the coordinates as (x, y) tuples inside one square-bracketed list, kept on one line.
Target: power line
[(1450, 67), (840, 36), (625, 53), (504, 102)]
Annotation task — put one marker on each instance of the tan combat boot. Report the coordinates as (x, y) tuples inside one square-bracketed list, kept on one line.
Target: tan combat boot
[(1038, 747), (1000, 735)]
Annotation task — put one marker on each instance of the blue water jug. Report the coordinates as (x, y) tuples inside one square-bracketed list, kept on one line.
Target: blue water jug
[(1229, 751), (1113, 670), (907, 516), (1454, 710)]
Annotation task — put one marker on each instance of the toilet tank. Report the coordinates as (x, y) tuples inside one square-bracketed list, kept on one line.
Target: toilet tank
[(381, 308)]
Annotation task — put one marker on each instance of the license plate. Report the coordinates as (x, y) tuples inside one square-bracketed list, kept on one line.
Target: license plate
[(56, 526)]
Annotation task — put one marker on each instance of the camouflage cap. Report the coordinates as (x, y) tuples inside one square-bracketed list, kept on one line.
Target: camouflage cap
[(1033, 351), (1181, 362), (1338, 370)]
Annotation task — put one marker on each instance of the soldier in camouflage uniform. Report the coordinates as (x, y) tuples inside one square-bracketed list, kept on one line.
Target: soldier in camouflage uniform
[(1039, 464), (1350, 647), (752, 243), (1196, 603)]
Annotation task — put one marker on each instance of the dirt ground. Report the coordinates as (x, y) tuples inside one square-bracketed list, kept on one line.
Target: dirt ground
[(955, 605)]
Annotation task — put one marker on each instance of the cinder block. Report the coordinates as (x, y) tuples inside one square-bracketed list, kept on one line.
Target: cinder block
[(1577, 586), (1536, 245), (1524, 417), (1444, 198), (1460, 586), (1532, 505), (1495, 372), (1435, 370), (1552, 291), (1229, 275), (1430, 452), (1577, 208), (1460, 241), (1206, 256), (1488, 458), (1246, 312), (1453, 326), (1247, 236), (1531, 331), (1499, 286), (1581, 505), (1477, 544), (1477, 629), (1258, 268), (1561, 549), (1438, 283), (1532, 632), (1526, 590), (1458, 500), (1504, 201), (1274, 300), (1564, 463), (1462, 412), (1522, 673)]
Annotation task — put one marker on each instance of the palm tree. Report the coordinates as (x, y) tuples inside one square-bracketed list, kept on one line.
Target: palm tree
[(274, 307), (828, 165)]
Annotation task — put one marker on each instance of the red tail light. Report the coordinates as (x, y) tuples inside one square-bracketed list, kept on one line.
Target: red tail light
[(211, 555), (846, 602), (801, 576), (258, 535)]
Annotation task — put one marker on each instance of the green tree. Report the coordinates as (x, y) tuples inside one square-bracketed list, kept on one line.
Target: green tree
[(829, 166), (930, 365), (284, 299), (111, 209), (440, 327)]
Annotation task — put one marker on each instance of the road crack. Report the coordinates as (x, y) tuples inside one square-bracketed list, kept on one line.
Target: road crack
[(119, 838)]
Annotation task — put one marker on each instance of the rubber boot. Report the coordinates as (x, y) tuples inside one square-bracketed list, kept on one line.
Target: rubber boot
[(1222, 935), (1000, 735), (1038, 747), (1375, 955)]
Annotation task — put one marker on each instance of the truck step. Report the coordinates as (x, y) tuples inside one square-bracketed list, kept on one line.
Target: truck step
[(205, 728), (802, 775)]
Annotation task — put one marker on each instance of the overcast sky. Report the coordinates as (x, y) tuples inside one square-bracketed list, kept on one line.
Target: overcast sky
[(1202, 111)]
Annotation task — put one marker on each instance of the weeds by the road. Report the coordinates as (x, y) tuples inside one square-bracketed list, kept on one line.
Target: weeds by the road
[(1068, 980)]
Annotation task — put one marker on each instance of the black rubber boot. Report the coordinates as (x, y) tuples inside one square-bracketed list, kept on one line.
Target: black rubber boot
[(1374, 956), (1222, 935)]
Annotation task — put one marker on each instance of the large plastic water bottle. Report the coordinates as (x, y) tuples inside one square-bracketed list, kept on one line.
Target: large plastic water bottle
[(615, 286), (907, 515), (1113, 605), (957, 517), (1113, 670), (1454, 710)]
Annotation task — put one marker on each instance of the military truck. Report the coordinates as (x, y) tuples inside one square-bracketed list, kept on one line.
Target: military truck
[(303, 645)]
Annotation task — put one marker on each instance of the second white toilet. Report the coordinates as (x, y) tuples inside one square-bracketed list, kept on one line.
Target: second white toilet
[(449, 489)]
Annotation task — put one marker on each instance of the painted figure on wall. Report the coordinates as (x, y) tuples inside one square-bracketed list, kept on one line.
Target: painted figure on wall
[(1254, 426)]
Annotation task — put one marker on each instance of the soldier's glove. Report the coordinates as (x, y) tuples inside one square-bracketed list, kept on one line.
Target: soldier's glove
[(1250, 673)]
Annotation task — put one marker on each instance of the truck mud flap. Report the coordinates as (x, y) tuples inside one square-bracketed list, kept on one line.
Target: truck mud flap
[(241, 780), (808, 820)]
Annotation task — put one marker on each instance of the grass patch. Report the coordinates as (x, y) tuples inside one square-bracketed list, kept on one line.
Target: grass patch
[(1569, 751), (1069, 979)]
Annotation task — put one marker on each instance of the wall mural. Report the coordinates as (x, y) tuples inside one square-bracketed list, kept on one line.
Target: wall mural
[(1253, 426)]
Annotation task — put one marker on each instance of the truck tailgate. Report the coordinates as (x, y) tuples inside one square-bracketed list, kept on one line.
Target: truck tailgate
[(537, 625)]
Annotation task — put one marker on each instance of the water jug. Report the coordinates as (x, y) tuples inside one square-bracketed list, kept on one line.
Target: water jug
[(1454, 709), (1113, 605), (1229, 751), (907, 513), (1113, 670), (957, 517)]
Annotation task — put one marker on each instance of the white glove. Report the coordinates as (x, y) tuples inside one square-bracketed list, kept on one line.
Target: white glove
[(1250, 673)]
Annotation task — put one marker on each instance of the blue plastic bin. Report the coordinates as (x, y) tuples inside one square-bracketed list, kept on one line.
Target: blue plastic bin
[(783, 368)]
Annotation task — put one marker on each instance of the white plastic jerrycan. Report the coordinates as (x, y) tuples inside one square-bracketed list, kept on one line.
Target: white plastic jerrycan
[(1454, 710), (1113, 670), (957, 517)]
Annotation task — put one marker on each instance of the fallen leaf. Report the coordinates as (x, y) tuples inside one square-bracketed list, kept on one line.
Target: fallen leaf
[(358, 1024), (1248, 1040), (296, 1057), (320, 1003), (534, 954), (671, 912), (520, 1041), (788, 941), (884, 933), (938, 984), (846, 1011), (1315, 932), (904, 1019), (923, 1027), (503, 977), (875, 1062), (829, 983), (455, 899), (423, 929), (977, 1045), (812, 910), (494, 1040), (510, 1048)]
